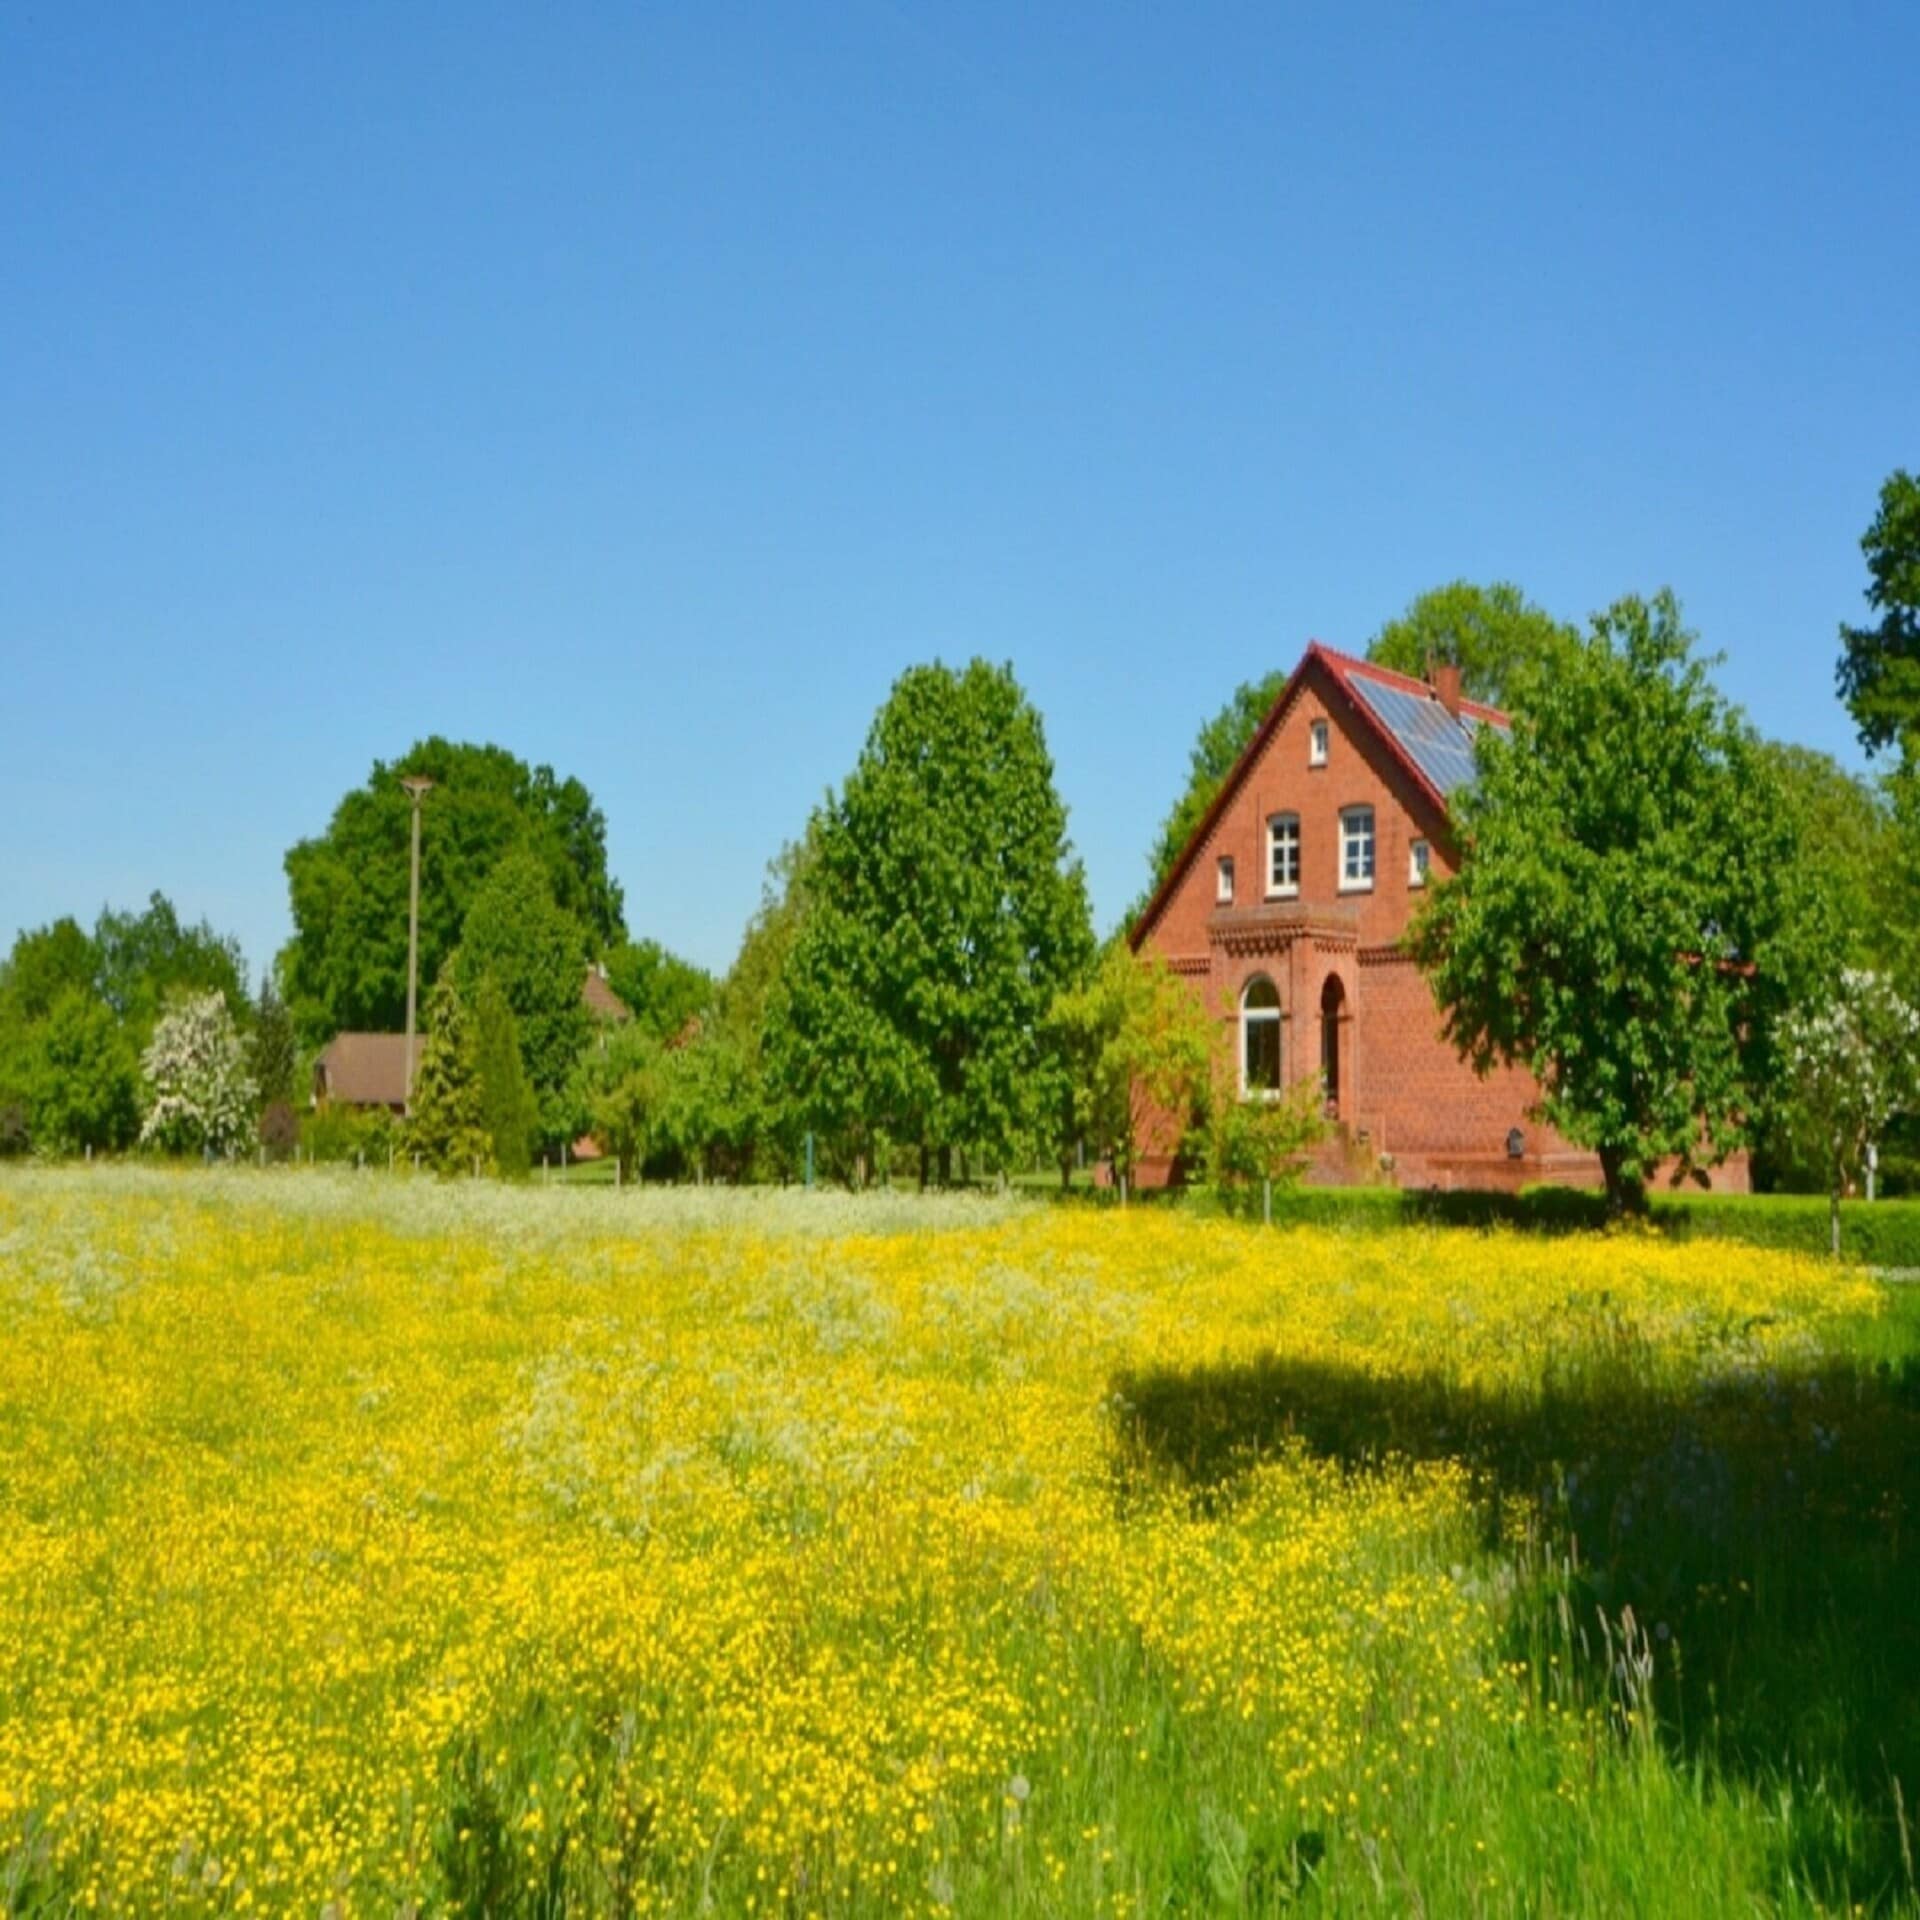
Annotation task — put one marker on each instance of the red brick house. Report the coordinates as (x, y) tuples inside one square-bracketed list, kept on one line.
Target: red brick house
[(1286, 908)]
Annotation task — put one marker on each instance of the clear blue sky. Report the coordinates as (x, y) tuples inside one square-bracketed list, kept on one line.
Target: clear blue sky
[(644, 388)]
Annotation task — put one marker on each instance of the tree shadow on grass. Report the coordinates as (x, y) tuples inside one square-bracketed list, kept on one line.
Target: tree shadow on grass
[(1755, 1524)]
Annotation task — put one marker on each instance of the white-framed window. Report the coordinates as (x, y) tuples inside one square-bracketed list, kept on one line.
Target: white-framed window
[(1317, 743), (1283, 855), (1356, 849), (1419, 859), (1223, 880), (1259, 1037)]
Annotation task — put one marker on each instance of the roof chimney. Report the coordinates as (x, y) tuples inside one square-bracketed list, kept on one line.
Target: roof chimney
[(1445, 676)]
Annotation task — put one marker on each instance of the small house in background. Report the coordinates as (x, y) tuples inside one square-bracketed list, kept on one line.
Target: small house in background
[(370, 1069), (603, 1003), (362, 1070)]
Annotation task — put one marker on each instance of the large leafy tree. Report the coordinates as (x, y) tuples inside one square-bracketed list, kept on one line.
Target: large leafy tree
[(45, 963), (346, 966), (1501, 642), (1617, 925), (153, 956), (944, 913), (1220, 743), (1879, 672), (662, 991), (517, 934), (81, 1078)]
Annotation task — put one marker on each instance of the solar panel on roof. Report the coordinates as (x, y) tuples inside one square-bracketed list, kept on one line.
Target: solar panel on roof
[(1440, 745)]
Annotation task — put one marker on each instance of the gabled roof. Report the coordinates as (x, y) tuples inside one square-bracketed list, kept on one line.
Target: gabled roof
[(1433, 747), (366, 1069), (602, 1002)]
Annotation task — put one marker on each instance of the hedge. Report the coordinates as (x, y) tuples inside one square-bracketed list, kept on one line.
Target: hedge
[(1883, 1234)]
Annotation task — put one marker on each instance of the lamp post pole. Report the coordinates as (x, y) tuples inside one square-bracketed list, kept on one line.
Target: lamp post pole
[(416, 785)]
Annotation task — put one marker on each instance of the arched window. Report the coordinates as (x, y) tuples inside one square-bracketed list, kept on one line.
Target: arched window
[(1260, 1037)]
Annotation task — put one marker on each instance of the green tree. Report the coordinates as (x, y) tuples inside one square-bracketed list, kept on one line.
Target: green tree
[(151, 957), (447, 1124), (346, 966), (517, 933), (945, 912), (1215, 753), (1616, 926), (619, 1088), (45, 963), (1138, 1051), (663, 991), (1265, 1141), (1842, 826), (1879, 671), (82, 1079), (1501, 642), (273, 1053), (508, 1110)]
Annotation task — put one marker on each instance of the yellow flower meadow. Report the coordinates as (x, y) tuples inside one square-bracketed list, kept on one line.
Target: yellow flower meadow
[(372, 1545)]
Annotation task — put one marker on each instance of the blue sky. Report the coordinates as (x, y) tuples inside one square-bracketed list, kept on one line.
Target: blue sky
[(644, 388)]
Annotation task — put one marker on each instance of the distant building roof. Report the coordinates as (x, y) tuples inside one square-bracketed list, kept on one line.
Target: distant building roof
[(602, 1002), (364, 1069)]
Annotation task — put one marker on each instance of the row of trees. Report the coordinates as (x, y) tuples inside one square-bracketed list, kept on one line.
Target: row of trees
[(109, 1036), (1655, 912)]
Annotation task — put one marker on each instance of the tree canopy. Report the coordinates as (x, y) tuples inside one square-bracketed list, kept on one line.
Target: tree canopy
[(944, 911), (1220, 743), (662, 991), (1495, 635), (346, 965), (1616, 925), (518, 935), (1879, 671)]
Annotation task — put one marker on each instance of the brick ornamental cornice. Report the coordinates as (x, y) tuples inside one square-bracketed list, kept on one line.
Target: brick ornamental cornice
[(1392, 954), (1272, 928), (1194, 965)]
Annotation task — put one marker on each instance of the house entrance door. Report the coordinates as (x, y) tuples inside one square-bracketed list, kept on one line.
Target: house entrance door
[(1333, 1011)]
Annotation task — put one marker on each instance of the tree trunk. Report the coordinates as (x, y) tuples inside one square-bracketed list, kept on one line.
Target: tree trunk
[(1625, 1194), (946, 1165), (926, 1166), (1833, 1221)]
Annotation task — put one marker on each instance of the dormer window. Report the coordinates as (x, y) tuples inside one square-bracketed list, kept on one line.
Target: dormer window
[(1223, 880), (1283, 855), (1317, 743), (1419, 858)]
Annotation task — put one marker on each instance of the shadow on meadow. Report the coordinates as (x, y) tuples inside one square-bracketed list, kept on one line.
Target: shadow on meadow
[(1756, 1525)]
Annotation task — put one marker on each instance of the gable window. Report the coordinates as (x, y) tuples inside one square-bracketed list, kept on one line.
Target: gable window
[(1283, 855), (1260, 1037), (1356, 849), (1419, 858), (1317, 743), (1223, 880)]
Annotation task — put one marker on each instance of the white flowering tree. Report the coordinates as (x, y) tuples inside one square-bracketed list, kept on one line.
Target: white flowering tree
[(1851, 1066), (200, 1093)]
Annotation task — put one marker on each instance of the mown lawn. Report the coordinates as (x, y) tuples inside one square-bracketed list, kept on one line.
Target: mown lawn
[(376, 1546)]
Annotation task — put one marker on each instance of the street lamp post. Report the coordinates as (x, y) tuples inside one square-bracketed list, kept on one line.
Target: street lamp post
[(416, 785)]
